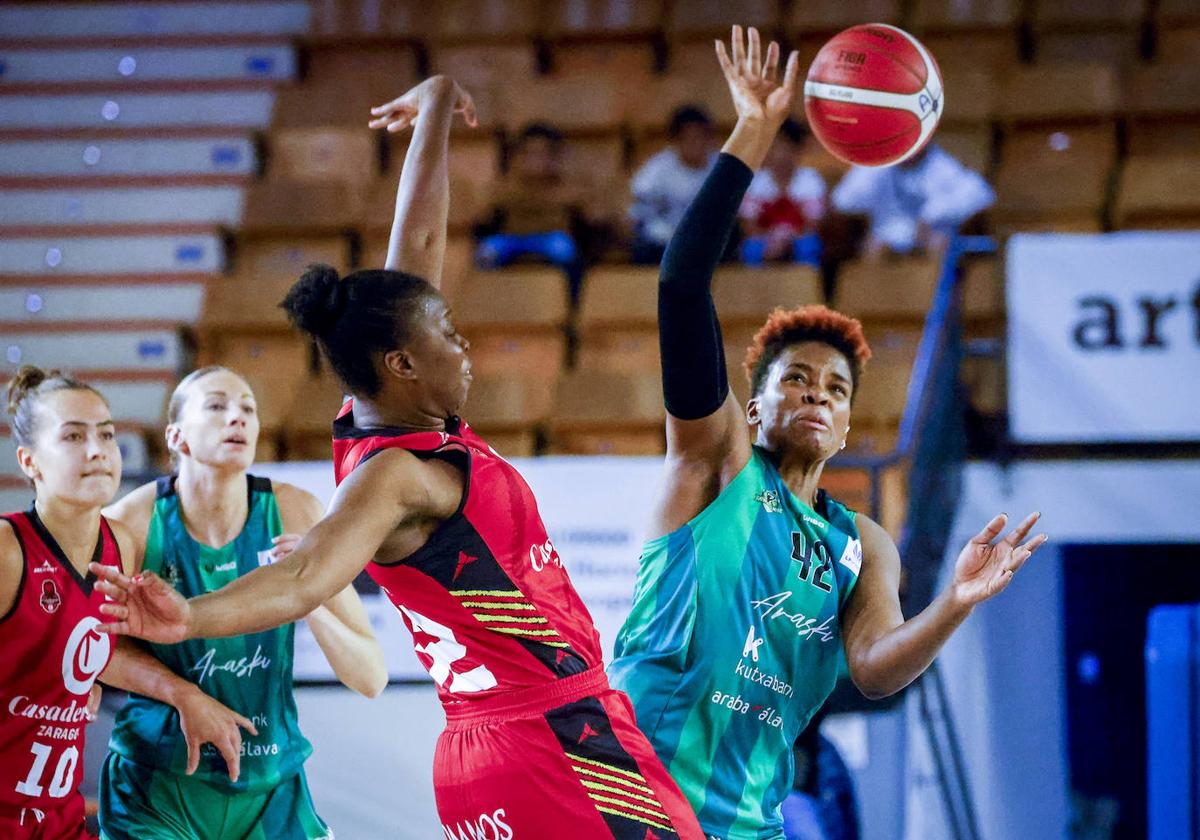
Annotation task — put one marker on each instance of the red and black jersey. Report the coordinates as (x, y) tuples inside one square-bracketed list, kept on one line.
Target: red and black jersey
[(489, 604), (53, 653)]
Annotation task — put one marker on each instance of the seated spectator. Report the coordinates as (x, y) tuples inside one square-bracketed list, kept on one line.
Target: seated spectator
[(532, 209), (667, 182), (784, 204), (916, 205)]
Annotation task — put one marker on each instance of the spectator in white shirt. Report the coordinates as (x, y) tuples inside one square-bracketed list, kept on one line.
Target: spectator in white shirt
[(784, 204), (915, 205), (667, 182)]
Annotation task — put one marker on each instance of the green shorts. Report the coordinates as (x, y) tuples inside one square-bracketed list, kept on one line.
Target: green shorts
[(141, 803)]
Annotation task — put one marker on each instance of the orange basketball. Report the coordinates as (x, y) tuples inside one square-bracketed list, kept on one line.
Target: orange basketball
[(873, 95)]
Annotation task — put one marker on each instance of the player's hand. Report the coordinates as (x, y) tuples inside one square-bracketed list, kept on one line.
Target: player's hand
[(283, 545), (403, 111), (93, 703), (984, 568), (204, 720), (145, 606), (754, 78)]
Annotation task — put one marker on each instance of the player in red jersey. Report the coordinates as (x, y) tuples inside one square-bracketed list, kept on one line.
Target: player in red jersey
[(50, 612), (537, 745)]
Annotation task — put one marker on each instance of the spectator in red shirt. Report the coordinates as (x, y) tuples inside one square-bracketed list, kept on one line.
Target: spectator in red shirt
[(783, 205)]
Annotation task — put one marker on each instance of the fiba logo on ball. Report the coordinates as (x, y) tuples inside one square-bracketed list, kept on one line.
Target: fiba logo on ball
[(85, 655)]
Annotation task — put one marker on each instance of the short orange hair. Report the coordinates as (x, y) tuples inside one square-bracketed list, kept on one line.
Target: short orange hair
[(785, 327)]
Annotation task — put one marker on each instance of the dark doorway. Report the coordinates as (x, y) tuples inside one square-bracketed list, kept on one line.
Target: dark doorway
[(1108, 591)]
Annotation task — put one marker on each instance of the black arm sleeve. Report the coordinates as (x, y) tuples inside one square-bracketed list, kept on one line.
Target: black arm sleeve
[(693, 356)]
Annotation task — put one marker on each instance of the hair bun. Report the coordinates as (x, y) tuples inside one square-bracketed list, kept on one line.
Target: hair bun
[(316, 301), (27, 380)]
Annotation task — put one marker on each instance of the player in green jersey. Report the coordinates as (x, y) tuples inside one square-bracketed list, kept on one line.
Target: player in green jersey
[(754, 580), (201, 528)]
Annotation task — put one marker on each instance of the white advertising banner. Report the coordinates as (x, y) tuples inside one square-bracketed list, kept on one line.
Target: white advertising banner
[(595, 510), (1104, 337)]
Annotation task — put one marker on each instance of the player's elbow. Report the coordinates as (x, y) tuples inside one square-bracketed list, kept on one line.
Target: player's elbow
[(871, 680), (374, 685)]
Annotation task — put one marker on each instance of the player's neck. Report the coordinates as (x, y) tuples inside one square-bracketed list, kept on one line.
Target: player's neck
[(802, 477), (76, 529), (214, 503), (371, 415)]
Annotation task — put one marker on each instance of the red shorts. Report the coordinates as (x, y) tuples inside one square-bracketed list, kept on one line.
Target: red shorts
[(566, 760), (64, 822)]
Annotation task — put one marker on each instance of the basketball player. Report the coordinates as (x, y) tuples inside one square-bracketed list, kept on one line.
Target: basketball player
[(199, 529), (753, 576), (49, 612), (536, 744)]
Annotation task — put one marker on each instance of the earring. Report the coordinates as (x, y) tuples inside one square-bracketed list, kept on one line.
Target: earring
[(843, 446)]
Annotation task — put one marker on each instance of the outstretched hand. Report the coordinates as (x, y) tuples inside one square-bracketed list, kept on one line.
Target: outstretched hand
[(145, 606), (985, 568), (403, 111), (754, 78), (204, 720)]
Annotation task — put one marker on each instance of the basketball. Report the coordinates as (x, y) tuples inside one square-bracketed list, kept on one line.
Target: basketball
[(873, 95)]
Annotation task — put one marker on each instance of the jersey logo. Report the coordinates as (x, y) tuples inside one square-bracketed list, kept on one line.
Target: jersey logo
[(46, 567), (50, 599), (769, 499), (852, 556), (588, 732), (86, 653), (463, 560), (170, 574), (752, 645), (266, 558)]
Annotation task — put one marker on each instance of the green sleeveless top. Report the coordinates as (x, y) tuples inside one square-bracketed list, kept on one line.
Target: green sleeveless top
[(250, 674), (734, 642)]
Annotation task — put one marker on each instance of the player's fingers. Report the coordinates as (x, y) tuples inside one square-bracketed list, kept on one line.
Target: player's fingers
[(724, 60), (754, 55), (400, 124), (115, 628), (110, 574), (771, 65), (378, 122), (737, 49), (792, 72), (112, 590), (231, 751), (467, 104), (193, 759), (1016, 535), (117, 611), (246, 723), (387, 106), (990, 530)]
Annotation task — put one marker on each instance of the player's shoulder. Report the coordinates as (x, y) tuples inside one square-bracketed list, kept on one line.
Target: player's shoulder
[(875, 540), (296, 502), (135, 508), (426, 485), (10, 544)]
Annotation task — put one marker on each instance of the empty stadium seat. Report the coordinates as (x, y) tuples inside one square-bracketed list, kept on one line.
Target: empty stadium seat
[(111, 255), (79, 207), (141, 158), (34, 303), (1163, 104), (1057, 92), (263, 272), (135, 454), (514, 319), (1114, 48), (883, 391), (705, 19), (306, 427), (342, 83), (748, 295), (894, 289), (283, 208), (138, 21), (326, 153), (825, 17), (88, 67), (586, 20), (970, 146), (118, 347), (572, 103), (618, 319), (982, 290), (491, 73), (607, 413), (984, 379), (963, 16), (468, 21), (1159, 192), (1055, 178), (209, 109)]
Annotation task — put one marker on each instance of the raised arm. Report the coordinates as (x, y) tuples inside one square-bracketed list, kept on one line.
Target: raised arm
[(392, 490), (884, 652), (418, 240), (707, 442)]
